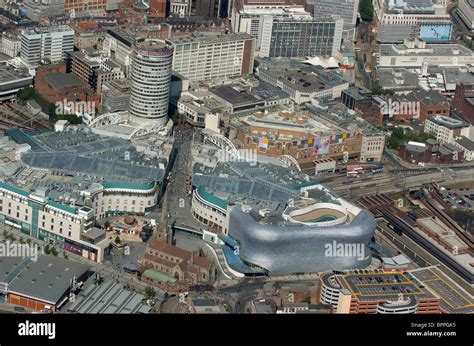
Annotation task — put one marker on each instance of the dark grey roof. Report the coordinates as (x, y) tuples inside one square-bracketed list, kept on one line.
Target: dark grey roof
[(62, 80), (465, 143), (109, 298), (48, 279)]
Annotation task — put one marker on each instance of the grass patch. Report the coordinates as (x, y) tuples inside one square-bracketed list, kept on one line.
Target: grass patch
[(458, 186)]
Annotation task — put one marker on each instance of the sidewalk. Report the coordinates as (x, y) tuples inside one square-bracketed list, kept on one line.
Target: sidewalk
[(103, 270)]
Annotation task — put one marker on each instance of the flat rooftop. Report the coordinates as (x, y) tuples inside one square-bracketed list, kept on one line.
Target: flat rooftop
[(454, 298), (47, 279), (431, 49)]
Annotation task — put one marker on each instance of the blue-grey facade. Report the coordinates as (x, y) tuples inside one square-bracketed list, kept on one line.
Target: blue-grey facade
[(294, 248)]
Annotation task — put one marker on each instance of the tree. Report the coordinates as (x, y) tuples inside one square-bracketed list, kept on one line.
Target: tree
[(377, 89), (47, 249), (117, 240), (26, 94), (366, 10), (150, 292), (54, 252), (65, 255)]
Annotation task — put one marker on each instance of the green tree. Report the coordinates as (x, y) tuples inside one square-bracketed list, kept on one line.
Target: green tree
[(150, 292), (54, 252), (117, 240), (47, 249), (366, 10), (26, 94), (65, 255), (377, 89)]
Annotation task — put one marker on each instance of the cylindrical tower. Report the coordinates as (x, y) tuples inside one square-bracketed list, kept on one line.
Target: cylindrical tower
[(150, 80)]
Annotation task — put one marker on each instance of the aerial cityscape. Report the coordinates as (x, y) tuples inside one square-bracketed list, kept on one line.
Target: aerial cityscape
[(236, 157)]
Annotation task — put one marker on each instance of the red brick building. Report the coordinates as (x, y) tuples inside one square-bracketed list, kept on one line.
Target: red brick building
[(171, 268), (55, 85), (463, 101), (431, 103)]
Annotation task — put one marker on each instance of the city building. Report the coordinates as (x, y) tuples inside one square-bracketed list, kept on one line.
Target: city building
[(118, 45), (115, 96), (431, 152), (465, 10), (376, 291), (427, 20), (174, 269), (10, 45), (463, 101), (416, 53), (196, 105), (300, 36), (200, 57), (466, 145), (89, 301), (64, 87), (290, 239), (12, 80), (347, 9), (431, 103), (445, 129), (285, 29), (302, 82), (93, 68), (83, 40), (270, 212), (310, 135), (150, 81), (57, 195), (43, 285), (46, 44), (43, 9), (83, 5), (181, 8)]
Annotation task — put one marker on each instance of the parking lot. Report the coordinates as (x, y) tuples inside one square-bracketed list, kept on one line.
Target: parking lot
[(463, 199)]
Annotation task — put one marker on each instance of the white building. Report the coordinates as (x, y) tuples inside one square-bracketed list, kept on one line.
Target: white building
[(204, 57), (10, 45), (416, 54), (285, 29), (52, 222), (150, 81), (180, 8), (466, 145), (446, 129), (46, 44), (410, 12)]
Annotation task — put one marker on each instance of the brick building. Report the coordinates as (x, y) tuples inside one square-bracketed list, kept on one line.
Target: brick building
[(172, 268), (431, 103), (463, 101), (55, 85)]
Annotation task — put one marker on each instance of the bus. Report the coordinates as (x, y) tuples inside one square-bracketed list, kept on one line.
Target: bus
[(378, 168)]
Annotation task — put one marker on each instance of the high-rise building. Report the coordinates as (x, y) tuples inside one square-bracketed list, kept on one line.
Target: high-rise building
[(48, 44), (150, 80), (347, 9), (285, 29), (203, 57)]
